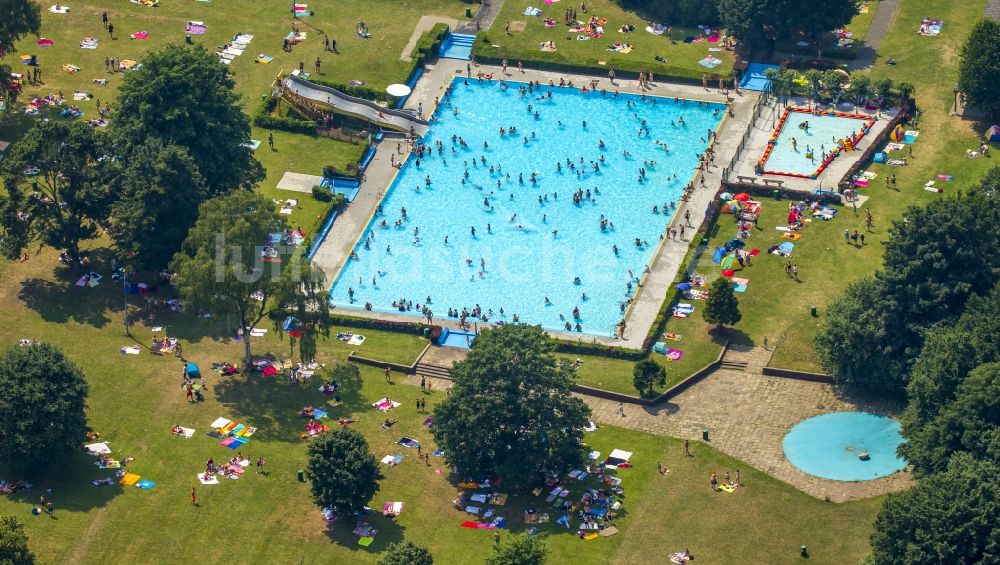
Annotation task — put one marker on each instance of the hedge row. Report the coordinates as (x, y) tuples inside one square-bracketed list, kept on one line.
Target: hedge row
[(600, 350), (357, 91), (624, 70), (262, 118)]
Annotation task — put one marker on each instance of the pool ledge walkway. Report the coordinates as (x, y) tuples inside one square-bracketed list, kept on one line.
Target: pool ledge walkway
[(665, 264)]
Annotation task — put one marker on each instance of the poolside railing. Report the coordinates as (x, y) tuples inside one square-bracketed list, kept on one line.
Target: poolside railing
[(762, 102)]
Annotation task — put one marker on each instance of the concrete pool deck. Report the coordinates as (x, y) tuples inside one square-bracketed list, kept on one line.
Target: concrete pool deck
[(668, 258)]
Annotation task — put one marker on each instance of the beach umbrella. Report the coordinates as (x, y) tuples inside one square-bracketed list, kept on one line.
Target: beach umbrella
[(725, 196), (742, 197), (684, 286), (398, 89), (728, 273)]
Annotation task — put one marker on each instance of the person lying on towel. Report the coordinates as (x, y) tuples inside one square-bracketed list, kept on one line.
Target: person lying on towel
[(388, 423)]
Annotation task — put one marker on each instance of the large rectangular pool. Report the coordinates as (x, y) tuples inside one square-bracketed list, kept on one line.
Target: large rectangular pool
[(560, 249)]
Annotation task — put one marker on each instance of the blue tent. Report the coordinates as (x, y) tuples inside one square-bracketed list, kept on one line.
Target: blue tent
[(993, 134), (192, 370), (719, 254)]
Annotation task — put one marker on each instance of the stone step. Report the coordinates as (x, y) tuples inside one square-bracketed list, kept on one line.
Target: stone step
[(434, 371), (738, 365)]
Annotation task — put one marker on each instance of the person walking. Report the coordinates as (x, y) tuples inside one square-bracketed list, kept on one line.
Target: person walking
[(611, 76), (49, 508), (621, 410), (714, 480), (765, 343), (854, 238), (847, 236), (190, 391), (194, 497), (111, 30), (687, 217), (687, 448), (104, 19), (496, 537), (270, 140), (318, 63), (861, 236), (423, 382), (388, 375)]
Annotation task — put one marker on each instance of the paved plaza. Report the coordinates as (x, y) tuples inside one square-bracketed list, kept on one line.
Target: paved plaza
[(747, 415)]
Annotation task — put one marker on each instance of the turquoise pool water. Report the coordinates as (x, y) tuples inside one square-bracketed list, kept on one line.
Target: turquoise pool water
[(523, 250), (828, 446), (824, 131)]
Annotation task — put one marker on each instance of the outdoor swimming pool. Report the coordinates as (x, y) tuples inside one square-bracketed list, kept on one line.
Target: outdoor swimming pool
[(531, 239), (829, 446), (788, 157)]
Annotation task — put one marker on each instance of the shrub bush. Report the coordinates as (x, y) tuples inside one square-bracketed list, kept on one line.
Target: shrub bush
[(263, 118), (322, 193)]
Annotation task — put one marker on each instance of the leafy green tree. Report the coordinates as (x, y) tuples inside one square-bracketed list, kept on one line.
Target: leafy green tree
[(782, 82), (814, 78), (949, 354), (220, 268), (159, 190), (406, 553), (20, 18), (722, 307), (851, 340), (646, 374), (677, 12), (883, 87), (14, 543), (185, 97), (860, 88), (519, 549), (938, 257), (42, 401), (342, 471), (948, 517), (906, 90), (757, 20), (69, 196), (979, 66), (510, 413)]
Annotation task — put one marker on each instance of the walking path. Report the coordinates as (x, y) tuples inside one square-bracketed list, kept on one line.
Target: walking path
[(993, 10), (884, 14), (423, 26), (747, 415)]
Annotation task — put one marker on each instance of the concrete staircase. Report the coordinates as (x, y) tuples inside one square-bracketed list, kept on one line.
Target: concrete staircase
[(433, 371)]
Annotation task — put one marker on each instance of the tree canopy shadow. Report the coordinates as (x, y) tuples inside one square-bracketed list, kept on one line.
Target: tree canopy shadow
[(389, 531), (71, 490), (61, 301), (272, 404)]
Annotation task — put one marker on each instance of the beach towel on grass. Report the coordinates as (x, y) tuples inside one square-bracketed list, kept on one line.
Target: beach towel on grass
[(195, 28), (130, 479), (263, 59), (408, 442), (710, 62), (146, 484), (88, 43), (139, 35), (59, 9), (131, 350), (187, 433), (211, 480)]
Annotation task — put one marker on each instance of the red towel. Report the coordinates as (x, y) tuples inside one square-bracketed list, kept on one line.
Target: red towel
[(270, 371), (754, 252), (472, 525)]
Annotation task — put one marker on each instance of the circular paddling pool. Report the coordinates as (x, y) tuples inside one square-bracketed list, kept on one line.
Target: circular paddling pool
[(845, 446)]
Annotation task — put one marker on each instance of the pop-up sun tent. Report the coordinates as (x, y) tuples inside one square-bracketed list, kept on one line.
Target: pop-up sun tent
[(729, 262), (192, 371), (719, 254), (993, 134)]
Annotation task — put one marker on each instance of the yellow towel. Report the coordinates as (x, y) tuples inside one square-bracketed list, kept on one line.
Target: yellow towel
[(130, 479), (589, 537)]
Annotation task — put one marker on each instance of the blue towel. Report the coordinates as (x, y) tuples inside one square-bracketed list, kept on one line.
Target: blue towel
[(787, 247)]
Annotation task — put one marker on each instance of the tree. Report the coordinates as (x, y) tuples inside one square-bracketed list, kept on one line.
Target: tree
[(722, 307), (935, 261), (756, 20), (406, 553), (520, 549), (646, 374), (20, 18), (851, 340), (69, 195), (160, 189), (979, 66), (948, 517), (860, 88), (42, 401), (14, 543), (510, 413), (342, 470), (949, 354), (185, 97), (688, 13), (220, 268)]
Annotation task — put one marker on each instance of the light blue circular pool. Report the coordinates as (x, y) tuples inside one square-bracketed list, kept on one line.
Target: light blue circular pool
[(832, 446)]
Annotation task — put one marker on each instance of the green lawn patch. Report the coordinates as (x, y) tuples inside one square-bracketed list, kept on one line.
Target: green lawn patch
[(681, 58)]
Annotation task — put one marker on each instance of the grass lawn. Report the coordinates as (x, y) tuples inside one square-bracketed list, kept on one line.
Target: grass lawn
[(682, 58), (135, 399)]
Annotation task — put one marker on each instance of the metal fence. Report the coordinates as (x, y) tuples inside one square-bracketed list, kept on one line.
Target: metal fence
[(762, 102)]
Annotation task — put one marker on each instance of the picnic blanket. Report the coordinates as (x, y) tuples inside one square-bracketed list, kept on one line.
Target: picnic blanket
[(59, 9), (195, 28), (130, 479), (128, 65), (408, 442), (139, 35), (710, 62), (209, 480), (88, 43), (186, 432), (392, 460), (130, 350), (263, 59), (385, 404)]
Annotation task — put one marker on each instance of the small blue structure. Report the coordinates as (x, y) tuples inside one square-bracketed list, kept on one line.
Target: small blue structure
[(754, 79)]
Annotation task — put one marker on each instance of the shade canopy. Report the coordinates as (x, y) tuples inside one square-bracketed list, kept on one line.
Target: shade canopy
[(398, 89), (742, 197)]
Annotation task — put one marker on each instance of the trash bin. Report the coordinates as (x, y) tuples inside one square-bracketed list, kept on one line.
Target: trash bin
[(812, 311), (187, 38), (468, 12), (804, 551), (301, 475), (704, 434), (776, 194), (427, 332)]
